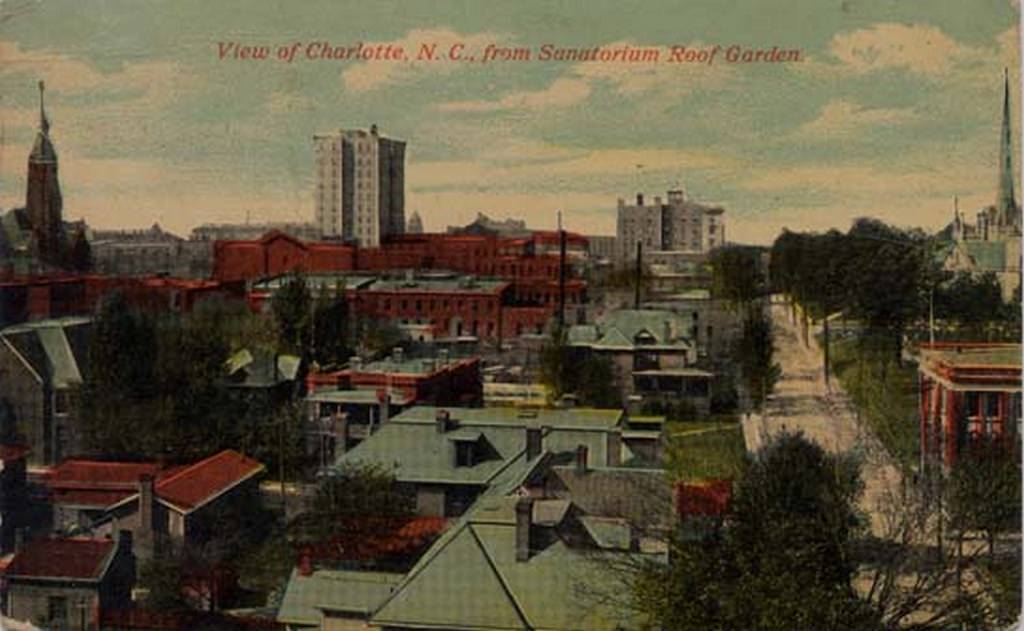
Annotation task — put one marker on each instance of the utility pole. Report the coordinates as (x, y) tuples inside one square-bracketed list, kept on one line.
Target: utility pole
[(561, 274)]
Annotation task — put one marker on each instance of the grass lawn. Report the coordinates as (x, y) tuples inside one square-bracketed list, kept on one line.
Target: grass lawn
[(706, 455), (884, 392)]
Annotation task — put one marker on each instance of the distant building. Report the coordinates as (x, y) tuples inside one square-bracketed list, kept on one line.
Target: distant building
[(415, 225), (968, 392), (678, 226), (36, 238), (360, 186), (485, 226), (250, 231), (70, 583), (601, 247), (148, 252), (992, 243)]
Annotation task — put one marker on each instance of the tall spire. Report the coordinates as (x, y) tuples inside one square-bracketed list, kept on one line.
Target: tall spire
[(44, 124), (1006, 203)]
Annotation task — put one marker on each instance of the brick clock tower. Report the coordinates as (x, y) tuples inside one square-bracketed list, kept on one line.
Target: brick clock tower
[(43, 202)]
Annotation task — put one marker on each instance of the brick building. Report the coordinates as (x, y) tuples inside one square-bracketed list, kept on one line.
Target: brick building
[(969, 391)]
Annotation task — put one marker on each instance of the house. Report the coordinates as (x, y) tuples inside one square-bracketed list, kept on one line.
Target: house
[(969, 392), (41, 370), (176, 503), (519, 563), (653, 352), (270, 379), (13, 494), (69, 583), (447, 457)]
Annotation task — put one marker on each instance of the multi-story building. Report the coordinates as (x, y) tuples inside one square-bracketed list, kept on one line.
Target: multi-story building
[(360, 185), (970, 392), (678, 226)]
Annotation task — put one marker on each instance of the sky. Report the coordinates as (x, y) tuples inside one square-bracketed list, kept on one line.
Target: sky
[(892, 109)]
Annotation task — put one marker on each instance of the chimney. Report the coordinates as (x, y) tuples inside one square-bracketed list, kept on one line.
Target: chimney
[(147, 538), (639, 199), (146, 501), (384, 400), (355, 363), (533, 442), (668, 332), (524, 520), (373, 129), (397, 354), (581, 459), (442, 421), (305, 564)]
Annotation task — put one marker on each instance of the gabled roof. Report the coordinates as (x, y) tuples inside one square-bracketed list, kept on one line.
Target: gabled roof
[(77, 559), (54, 349), (306, 597), (204, 481), (628, 329), (96, 484), (482, 585)]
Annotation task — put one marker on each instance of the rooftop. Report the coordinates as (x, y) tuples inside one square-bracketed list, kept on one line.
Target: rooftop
[(468, 285), (557, 588), (77, 559), (306, 597), (195, 485)]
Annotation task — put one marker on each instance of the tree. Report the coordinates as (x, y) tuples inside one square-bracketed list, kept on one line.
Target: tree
[(783, 560), (596, 384), (737, 274), (754, 353), (330, 322), (291, 306), (349, 503), (984, 489), (554, 359)]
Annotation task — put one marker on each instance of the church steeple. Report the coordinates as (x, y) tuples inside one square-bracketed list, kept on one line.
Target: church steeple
[(1006, 203), (43, 203)]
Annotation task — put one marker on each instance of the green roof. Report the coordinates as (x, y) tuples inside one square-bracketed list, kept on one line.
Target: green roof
[(425, 285), (347, 591), (627, 329), (989, 256), (997, 356), (564, 418), (470, 578), (317, 282), (53, 348), (410, 441)]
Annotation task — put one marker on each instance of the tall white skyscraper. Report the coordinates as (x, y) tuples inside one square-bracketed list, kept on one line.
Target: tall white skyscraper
[(360, 185)]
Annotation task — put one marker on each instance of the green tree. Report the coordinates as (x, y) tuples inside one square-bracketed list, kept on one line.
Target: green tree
[(350, 500), (737, 274), (291, 307), (330, 325), (984, 489), (783, 560), (754, 354)]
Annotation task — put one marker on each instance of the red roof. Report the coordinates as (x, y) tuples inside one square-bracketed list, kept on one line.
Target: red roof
[(372, 538), (99, 475), (62, 558), (707, 499), (194, 485)]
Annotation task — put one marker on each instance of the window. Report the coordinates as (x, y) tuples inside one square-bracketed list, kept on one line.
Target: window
[(61, 402), (57, 610)]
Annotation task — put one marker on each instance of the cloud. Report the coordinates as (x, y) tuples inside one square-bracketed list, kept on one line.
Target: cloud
[(629, 79), (918, 48), (841, 118), (563, 92), (371, 75)]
